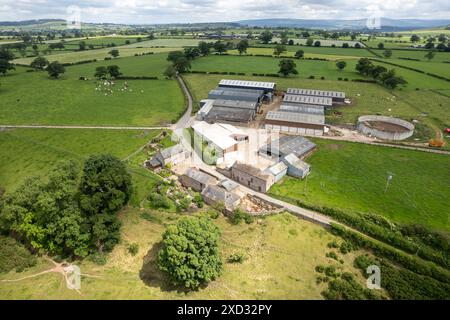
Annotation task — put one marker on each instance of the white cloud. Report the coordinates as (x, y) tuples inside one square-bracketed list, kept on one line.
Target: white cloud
[(169, 11)]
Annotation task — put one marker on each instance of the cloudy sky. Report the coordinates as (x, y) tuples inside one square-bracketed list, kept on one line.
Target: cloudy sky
[(169, 11)]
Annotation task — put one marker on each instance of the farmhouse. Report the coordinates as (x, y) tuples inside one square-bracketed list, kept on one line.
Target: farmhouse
[(296, 167), (214, 194), (267, 87), (296, 123), (278, 170), (336, 96), (252, 177), (313, 100), (279, 148), (220, 138), (253, 96), (170, 156), (196, 180)]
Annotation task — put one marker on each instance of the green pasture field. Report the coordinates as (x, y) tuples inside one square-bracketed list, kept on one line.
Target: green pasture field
[(290, 53), (352, 176), (417, 54), (323, 42), (172, 42), (434, 67), (267, 65), (99, 54), (104, 41), (29, 152), (279, 242), (328, 50), (33, 98), (416, 79)]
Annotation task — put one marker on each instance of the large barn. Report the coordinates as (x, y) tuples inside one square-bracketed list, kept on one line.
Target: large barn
[(311, 100), (254, 96), (295, 123), (231, 111), (267, 87), (336, 96), (279, 148)]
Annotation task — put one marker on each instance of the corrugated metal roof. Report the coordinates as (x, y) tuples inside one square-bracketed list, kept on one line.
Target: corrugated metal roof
[(235, 104), (229, 94), (249, 84), (296, 117), (199, 176), (294, 161), (277, 168), (230, 114), (214, 133), (304, 108), (171, 151), (313, 92), (297, 145), (293, 98)]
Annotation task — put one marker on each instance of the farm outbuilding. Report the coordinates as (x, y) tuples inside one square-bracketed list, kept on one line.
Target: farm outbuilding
[(171, 156), (233, 115), (303, 108), (196, 179), (313, 100), (279, 148), (278, 170), (205, 108), (267, 87), (219, 138), (336, 96), (252, 177), (253, 96), (296, 123), (296, 167), (214, 194)]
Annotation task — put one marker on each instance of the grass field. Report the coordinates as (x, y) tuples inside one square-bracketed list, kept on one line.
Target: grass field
[(28, 152), (417, 54), (328, 51), (439, 68), (33, 98), (167, 43), (353, 176), (99, 54), (103, 41), (280, 242)]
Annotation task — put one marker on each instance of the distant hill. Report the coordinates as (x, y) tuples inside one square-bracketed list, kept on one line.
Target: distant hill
[(360, 24), (28, 22)]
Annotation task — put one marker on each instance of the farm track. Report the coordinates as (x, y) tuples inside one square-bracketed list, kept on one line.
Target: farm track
[(18, 126)]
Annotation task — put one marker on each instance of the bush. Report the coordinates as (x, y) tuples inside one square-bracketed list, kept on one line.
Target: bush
[(238, 257), (238, 216), (311, 77), (320, 269), (98, 258), (133, 249), (14, 256), (159, 201)]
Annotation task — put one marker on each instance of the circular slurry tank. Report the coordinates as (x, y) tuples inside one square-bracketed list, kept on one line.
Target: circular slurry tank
[(386, 128)]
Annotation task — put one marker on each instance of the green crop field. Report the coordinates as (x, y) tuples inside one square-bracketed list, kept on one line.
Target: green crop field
[(280, 242), (353, 176), (29, 152), (34, 98), (103, 41), (99, 54), (173, 42), (417, 54)]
